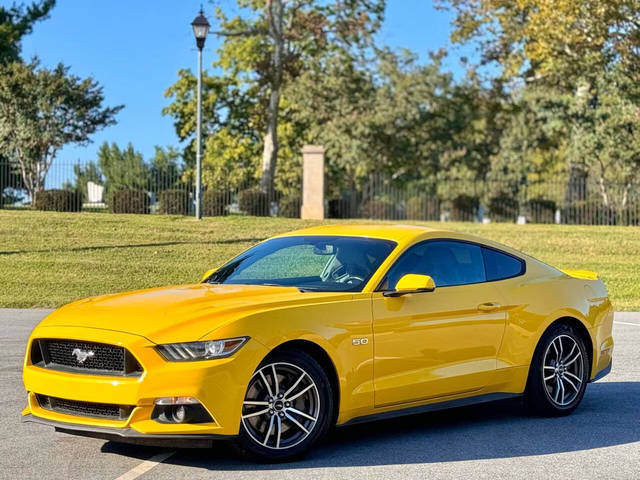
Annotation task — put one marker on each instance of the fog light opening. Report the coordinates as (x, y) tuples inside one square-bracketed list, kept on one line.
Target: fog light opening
[(178, 414), (180, 410)]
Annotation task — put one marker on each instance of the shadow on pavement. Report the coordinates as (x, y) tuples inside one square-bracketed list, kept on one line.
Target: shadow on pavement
[(609, 415)]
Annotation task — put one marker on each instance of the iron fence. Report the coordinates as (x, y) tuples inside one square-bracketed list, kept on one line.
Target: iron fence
[(76, 187), (584, 202), (79, 187)]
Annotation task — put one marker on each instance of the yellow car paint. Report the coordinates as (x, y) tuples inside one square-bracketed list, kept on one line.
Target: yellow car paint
[(452, 343)]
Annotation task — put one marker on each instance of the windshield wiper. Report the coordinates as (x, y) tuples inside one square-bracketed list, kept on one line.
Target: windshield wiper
[(308, 289)]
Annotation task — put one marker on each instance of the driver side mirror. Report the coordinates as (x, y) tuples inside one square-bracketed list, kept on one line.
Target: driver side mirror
[(207, 274), (412, 283)]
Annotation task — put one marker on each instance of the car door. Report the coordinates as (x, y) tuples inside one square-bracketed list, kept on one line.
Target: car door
[(440, 343)]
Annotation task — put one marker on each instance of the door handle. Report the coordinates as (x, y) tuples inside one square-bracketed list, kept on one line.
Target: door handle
[(489, 306)]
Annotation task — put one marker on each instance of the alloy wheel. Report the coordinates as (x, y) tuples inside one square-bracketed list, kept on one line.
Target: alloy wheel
[(281, 407), (563, 370)]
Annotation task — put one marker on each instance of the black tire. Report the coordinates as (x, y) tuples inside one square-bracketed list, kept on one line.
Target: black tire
[(545, 397), (291, 360)]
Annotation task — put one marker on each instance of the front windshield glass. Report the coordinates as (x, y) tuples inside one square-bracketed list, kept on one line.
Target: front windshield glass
[(311, 263)]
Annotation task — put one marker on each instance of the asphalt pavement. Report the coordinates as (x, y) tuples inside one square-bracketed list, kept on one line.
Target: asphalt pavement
[(600, 440)]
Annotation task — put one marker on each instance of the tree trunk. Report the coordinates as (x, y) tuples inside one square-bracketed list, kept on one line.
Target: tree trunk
[(270, 152), (603, 192), (274, 10)]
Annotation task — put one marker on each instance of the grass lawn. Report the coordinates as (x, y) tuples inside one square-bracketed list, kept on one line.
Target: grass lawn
[(48, 259)]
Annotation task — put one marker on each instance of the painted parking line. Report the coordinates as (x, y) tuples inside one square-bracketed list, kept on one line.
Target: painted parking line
[(627, 323), (145, 466)]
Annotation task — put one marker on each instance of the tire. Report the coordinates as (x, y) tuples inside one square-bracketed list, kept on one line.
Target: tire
[(557, 379), (282, 422)]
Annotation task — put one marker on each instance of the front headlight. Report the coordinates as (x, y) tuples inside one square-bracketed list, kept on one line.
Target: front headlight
[(209, 349)]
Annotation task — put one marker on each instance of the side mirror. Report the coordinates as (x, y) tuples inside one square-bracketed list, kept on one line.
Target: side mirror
[(207, 274), (412, 283)]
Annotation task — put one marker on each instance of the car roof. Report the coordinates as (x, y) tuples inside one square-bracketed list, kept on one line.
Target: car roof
[(398, 233)]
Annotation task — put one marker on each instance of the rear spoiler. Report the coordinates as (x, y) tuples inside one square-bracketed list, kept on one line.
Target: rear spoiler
[(582, 274)]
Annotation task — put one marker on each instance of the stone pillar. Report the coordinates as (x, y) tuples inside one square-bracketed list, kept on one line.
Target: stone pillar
[(312, 183)]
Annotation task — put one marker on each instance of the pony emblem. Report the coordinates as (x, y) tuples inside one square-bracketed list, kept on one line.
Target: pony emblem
[(81, 355)]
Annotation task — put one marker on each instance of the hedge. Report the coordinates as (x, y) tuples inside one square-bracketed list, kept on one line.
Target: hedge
[(129, 201), (174, 202), (59, 200), (214, 204), (254, 202)]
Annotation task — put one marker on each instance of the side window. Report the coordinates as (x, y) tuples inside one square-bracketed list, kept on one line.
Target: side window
[(500, 265), (447, 262)]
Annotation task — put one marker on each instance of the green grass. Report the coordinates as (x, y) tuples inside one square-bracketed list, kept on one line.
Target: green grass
[(48, 259)]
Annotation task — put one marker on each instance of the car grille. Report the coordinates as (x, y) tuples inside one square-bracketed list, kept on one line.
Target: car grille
[(84, 409), (84, 357)]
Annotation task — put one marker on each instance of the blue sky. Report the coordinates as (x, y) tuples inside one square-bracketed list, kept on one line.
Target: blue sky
[(135, 48)]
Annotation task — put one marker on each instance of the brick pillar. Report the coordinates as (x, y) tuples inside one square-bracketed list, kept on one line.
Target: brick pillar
[(312, 182)]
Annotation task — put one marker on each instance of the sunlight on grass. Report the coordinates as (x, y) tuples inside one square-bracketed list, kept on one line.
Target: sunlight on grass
[(48, 259)]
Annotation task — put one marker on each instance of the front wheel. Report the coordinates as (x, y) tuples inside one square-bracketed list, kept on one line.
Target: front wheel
[(558, 374), (288, 407)]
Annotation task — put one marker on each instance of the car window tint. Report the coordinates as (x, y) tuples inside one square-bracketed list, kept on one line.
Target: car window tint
[(500, 265), (447, 262)]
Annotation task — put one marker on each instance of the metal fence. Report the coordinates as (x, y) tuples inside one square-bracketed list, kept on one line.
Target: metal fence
[(76, 187), (73, 187), (584, 201)]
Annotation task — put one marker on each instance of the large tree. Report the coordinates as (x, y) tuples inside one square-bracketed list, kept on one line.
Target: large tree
[(43, 110), (17, 21), (122, 168), (270, 42), (574, 58), (552, 40)]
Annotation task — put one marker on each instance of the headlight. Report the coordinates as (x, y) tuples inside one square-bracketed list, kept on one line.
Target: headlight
[(191, 351)]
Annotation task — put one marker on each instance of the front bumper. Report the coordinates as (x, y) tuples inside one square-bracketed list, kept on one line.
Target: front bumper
[(129, 435), (219, 385)]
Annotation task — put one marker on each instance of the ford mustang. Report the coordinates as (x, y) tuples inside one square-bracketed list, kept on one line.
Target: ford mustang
[(325, 326)]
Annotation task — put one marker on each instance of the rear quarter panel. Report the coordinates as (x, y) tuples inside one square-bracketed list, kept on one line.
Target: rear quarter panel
[(542, 296)]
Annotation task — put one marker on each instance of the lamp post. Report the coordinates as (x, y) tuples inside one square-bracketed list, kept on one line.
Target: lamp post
[(200, 30)]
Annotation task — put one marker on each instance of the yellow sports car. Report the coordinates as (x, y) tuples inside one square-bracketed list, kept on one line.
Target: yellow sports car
[(325, 326)]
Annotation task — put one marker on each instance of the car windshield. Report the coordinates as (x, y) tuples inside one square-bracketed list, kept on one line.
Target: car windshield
[(310, 263)]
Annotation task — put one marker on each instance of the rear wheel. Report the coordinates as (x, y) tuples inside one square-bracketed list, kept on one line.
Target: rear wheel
[(287, 408), (558, 374)]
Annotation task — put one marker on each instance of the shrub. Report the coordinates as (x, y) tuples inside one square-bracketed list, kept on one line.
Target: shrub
[(423, 208), (630, 215), (541, 210), (214, 204), (59, 200), (503, 207), (339, 208), (129, 201), (464, 208), (174, 202), (592, 212), (381, 209), (254, 202), (289, 207)]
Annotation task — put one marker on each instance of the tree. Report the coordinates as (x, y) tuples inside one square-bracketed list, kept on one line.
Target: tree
[(123, 169), (552, 40), (43, 110), (165, 170), (16, 22), (83, 175), (562, 49), (267, 46)]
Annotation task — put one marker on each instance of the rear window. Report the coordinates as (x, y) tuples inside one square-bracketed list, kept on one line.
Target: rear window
[(499, 266)]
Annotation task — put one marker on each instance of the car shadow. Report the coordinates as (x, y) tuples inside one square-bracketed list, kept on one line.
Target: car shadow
[(609, 415)]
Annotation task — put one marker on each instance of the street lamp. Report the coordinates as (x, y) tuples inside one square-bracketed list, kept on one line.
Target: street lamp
[(200, 30)]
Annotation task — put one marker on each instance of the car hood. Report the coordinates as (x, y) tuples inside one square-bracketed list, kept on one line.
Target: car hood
[(180, 313)]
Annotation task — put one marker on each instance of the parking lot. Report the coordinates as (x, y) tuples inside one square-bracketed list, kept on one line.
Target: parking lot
[(600, 440)]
